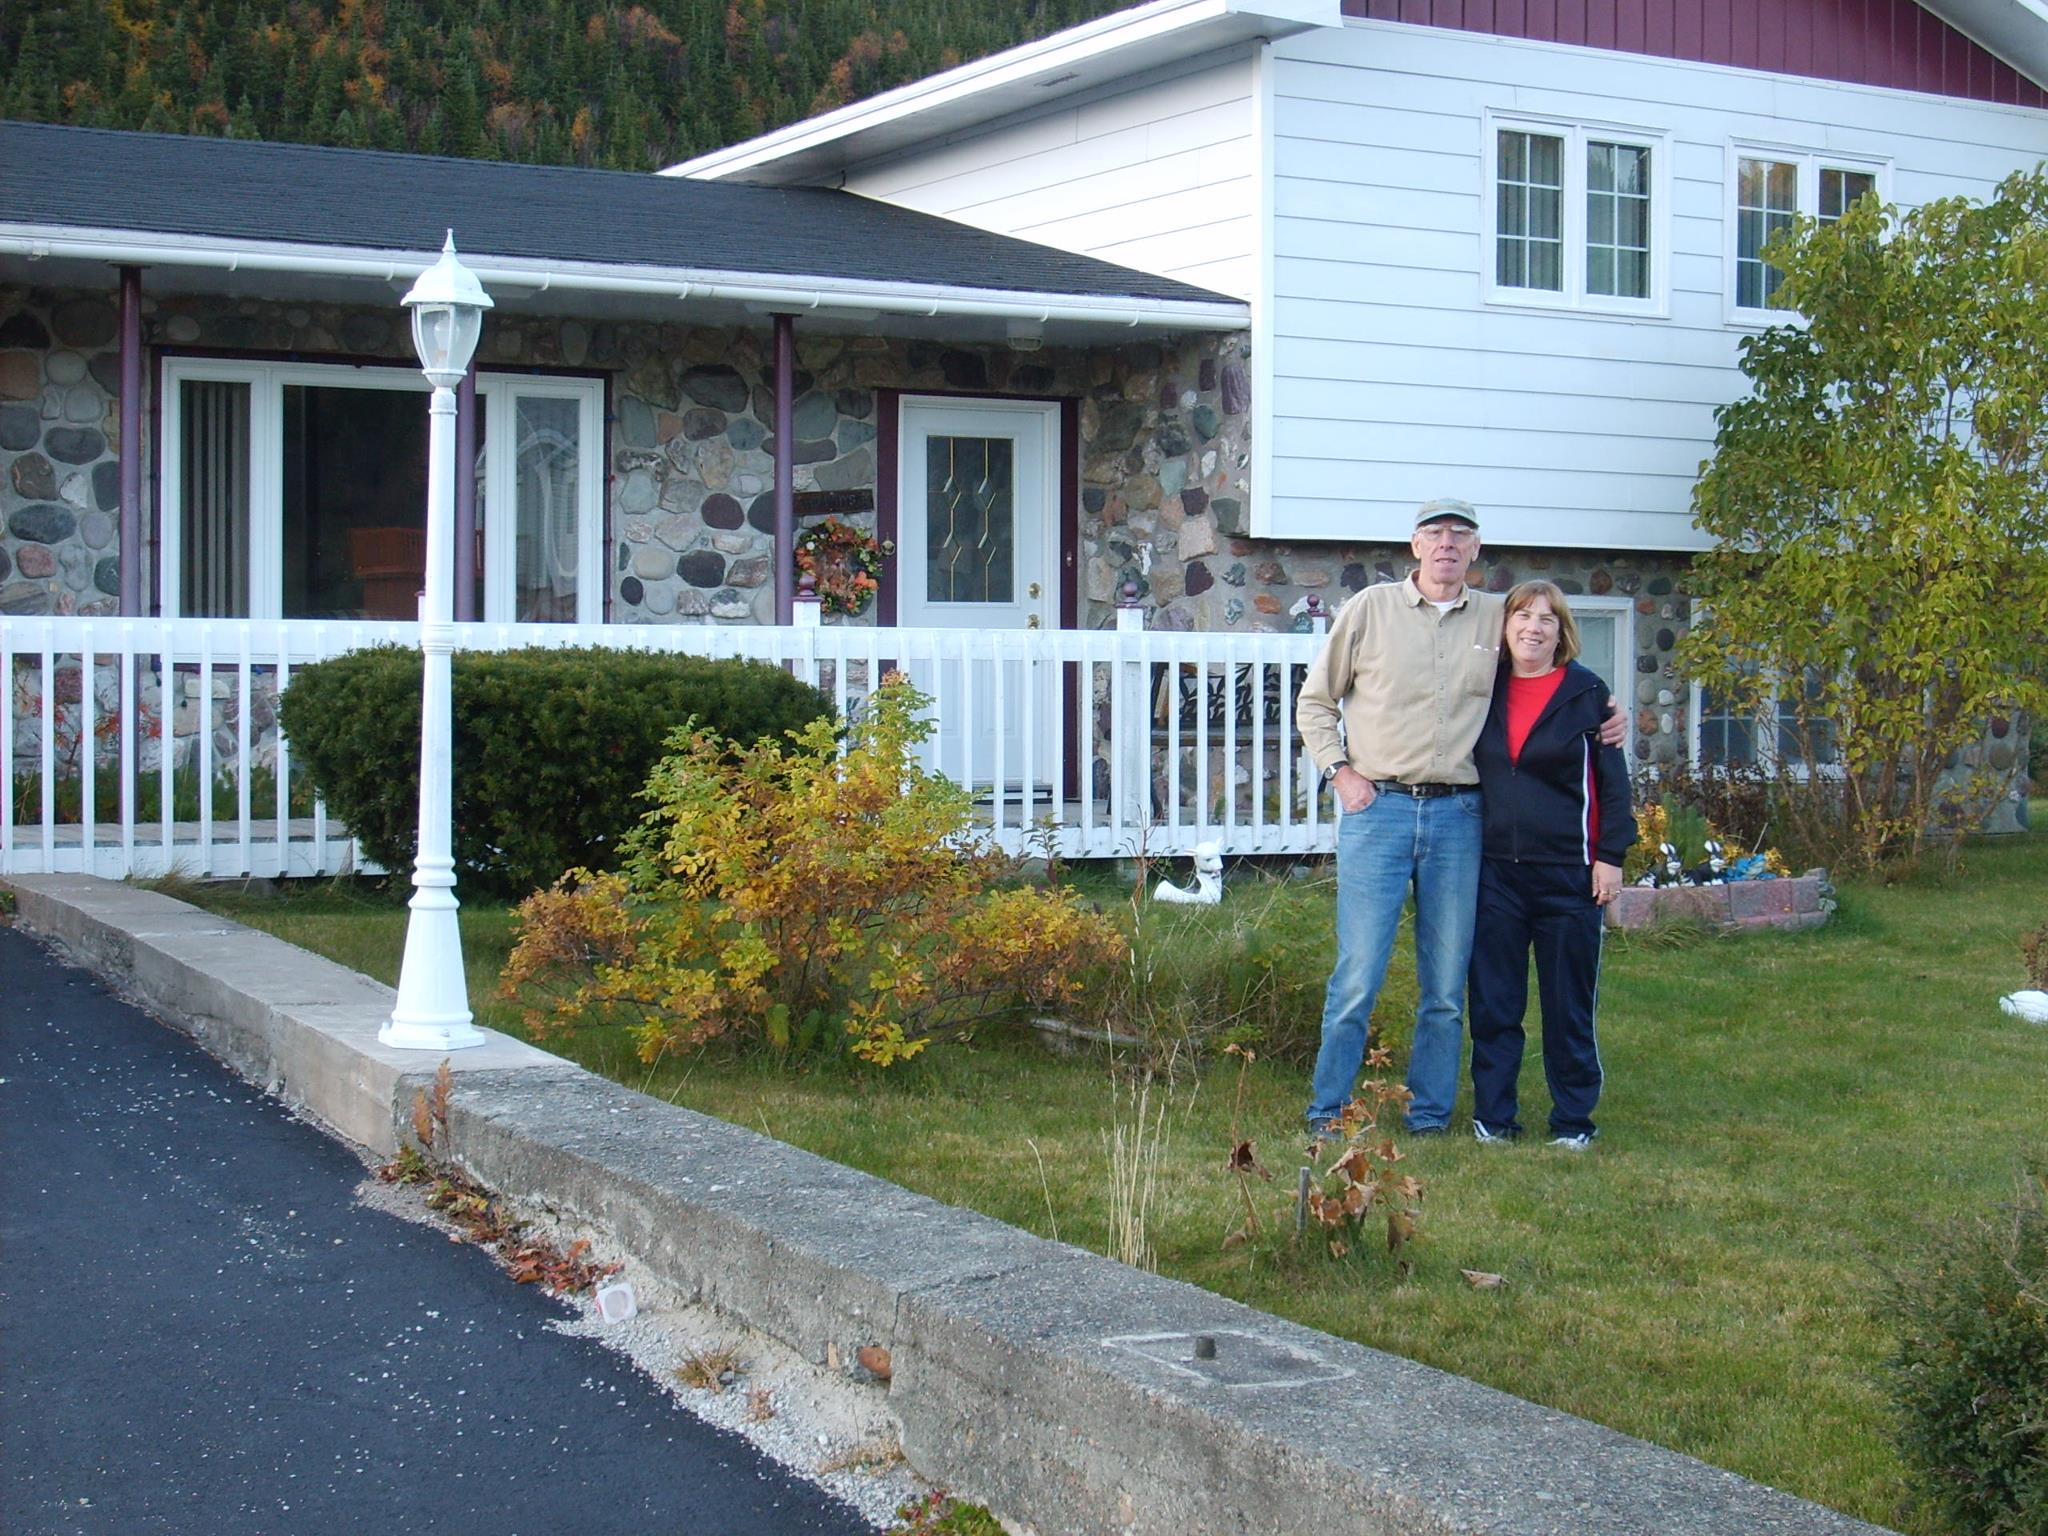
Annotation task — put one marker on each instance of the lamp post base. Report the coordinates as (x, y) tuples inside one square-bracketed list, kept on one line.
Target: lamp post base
[(430, 1035), (432, 1013)]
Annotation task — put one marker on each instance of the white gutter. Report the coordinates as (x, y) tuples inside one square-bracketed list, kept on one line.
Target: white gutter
[(1043, 64), (792, 294)]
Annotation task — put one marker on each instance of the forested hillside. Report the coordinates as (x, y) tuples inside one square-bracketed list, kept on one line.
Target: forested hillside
[(579, 82)]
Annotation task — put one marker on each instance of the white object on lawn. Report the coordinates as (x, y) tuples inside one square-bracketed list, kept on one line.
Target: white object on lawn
[(1208, 886), (2031, 1006)]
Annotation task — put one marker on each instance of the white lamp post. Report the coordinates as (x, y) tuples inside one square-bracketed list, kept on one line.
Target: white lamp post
[(432, 1014)]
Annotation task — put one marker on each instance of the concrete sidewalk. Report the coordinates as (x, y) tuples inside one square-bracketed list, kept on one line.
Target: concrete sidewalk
[(1060, 1388)]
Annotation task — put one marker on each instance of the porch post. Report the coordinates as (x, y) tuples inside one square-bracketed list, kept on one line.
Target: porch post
[(465, 498), (131, 442), (785, 469)]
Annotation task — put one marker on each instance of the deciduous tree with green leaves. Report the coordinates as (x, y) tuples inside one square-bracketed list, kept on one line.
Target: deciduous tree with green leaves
[(1879, 506)]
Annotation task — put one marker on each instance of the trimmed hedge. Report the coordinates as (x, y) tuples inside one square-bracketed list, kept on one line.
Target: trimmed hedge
[(552, 747)]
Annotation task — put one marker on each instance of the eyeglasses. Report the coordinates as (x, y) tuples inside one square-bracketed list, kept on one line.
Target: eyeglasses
[(1446, 533)]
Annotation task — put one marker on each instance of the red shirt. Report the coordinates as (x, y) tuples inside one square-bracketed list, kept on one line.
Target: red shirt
[(1527, 698)]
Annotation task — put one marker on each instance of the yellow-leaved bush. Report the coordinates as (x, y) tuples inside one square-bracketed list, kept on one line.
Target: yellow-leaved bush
[(813, 896)]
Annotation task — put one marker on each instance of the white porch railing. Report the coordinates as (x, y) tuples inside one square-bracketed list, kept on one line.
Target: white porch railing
[(146, 746)]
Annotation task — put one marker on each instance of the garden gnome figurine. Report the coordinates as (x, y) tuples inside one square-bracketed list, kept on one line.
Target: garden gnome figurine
[(1208, 887)]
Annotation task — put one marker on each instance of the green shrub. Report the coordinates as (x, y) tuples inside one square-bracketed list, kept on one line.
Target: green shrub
[(551, 747), (1970, 1375)]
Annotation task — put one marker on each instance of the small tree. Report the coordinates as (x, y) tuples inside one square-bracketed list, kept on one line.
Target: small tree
[(1879, 505), (805, 895)]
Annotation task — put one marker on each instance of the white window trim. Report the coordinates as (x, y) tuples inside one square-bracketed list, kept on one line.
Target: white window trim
[(1573, 297), (1811, 162), (267, 382), (1623, 684)]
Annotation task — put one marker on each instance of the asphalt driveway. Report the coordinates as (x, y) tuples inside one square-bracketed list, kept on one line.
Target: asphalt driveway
[(202, 1331)]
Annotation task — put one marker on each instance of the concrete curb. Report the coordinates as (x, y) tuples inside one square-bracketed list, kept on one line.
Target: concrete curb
[(1058, 1387)]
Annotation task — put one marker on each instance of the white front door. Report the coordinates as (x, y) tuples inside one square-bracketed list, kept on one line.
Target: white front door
[(978, 548)]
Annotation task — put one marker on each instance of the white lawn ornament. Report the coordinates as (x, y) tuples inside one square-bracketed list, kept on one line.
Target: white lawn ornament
[(2031, 1006), (1208, 887)]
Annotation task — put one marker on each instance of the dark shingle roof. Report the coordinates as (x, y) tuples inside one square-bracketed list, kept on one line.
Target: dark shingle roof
[(100, 179)]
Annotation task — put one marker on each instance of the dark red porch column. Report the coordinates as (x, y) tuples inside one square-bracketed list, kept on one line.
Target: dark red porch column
[(785, 469), (131, 442)]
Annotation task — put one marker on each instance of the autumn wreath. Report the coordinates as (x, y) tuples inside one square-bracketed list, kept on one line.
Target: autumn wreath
[(844, 564)]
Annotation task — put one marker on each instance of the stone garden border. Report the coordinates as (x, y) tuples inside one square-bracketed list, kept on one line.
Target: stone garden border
[(1796, 902)]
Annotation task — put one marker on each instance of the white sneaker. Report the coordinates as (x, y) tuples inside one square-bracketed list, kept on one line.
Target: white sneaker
[(1487, 1138), (1577, 1143)]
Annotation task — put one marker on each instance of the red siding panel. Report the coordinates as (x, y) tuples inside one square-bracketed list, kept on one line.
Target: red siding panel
[(1865, 42)]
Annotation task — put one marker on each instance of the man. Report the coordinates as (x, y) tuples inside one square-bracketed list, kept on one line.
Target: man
[(1408, 673)]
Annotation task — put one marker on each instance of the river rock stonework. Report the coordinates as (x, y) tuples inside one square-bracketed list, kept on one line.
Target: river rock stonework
[(60, 432), (1164, 487)]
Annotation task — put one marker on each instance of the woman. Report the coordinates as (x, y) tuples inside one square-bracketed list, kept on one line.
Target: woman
[(1557, 823)]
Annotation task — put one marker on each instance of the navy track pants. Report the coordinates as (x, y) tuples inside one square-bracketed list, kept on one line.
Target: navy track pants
[(1547, 908)]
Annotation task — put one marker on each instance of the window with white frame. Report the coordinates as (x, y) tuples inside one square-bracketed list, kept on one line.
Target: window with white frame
[(1770, 189), (297, 490), (1576, 215), (1727, 734)]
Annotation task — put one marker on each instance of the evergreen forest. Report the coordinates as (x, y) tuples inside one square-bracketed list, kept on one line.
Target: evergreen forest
[(562, 82)]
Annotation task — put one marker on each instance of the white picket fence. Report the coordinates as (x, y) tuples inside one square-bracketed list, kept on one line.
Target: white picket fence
[(1085, 744)]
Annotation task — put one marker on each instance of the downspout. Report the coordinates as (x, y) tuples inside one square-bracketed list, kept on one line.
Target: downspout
[(130, 537), (465, 498), (785, 470)]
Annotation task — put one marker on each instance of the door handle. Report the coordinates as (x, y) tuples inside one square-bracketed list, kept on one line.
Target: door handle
[(1032, 590), (1032, 622)]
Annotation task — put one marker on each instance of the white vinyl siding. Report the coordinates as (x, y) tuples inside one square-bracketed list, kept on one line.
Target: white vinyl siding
[(1161, 176), (1401, 372)]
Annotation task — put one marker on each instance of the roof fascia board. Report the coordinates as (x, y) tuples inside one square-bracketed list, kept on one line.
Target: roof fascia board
[(769, 290), (2015, 30), (1003, 84)]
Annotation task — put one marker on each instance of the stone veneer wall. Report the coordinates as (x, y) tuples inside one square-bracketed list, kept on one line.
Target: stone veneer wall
[(1165, 455), (60, 479)]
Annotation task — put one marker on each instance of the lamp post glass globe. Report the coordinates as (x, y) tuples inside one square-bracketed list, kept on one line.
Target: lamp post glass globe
[(447, 305), (432, 1013)]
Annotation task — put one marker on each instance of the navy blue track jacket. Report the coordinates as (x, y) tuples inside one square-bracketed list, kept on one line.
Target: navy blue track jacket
[(1536, 807)]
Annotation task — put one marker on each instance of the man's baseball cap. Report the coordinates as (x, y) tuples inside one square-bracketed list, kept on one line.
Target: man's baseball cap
[(1446, 509)]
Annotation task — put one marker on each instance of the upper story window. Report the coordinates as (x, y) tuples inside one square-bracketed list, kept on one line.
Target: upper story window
[(1771, 188), (1577, 216)]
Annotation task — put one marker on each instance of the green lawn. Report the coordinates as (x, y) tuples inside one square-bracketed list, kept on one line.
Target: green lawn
[(1787, 1117)]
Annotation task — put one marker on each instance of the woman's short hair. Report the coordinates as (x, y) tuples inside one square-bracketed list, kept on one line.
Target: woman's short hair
[(1524, 594)]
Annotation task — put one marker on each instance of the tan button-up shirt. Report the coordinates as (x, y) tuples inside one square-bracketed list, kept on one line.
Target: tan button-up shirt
[(1409, 682)]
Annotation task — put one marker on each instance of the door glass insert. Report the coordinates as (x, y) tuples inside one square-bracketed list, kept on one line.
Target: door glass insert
[(970, 519), (549, 467), (355, 514)]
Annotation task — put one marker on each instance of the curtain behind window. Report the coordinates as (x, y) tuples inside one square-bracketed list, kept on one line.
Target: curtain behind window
[(213, 530)]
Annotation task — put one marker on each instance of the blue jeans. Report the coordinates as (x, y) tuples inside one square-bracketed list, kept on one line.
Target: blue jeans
[(1399, 843)]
